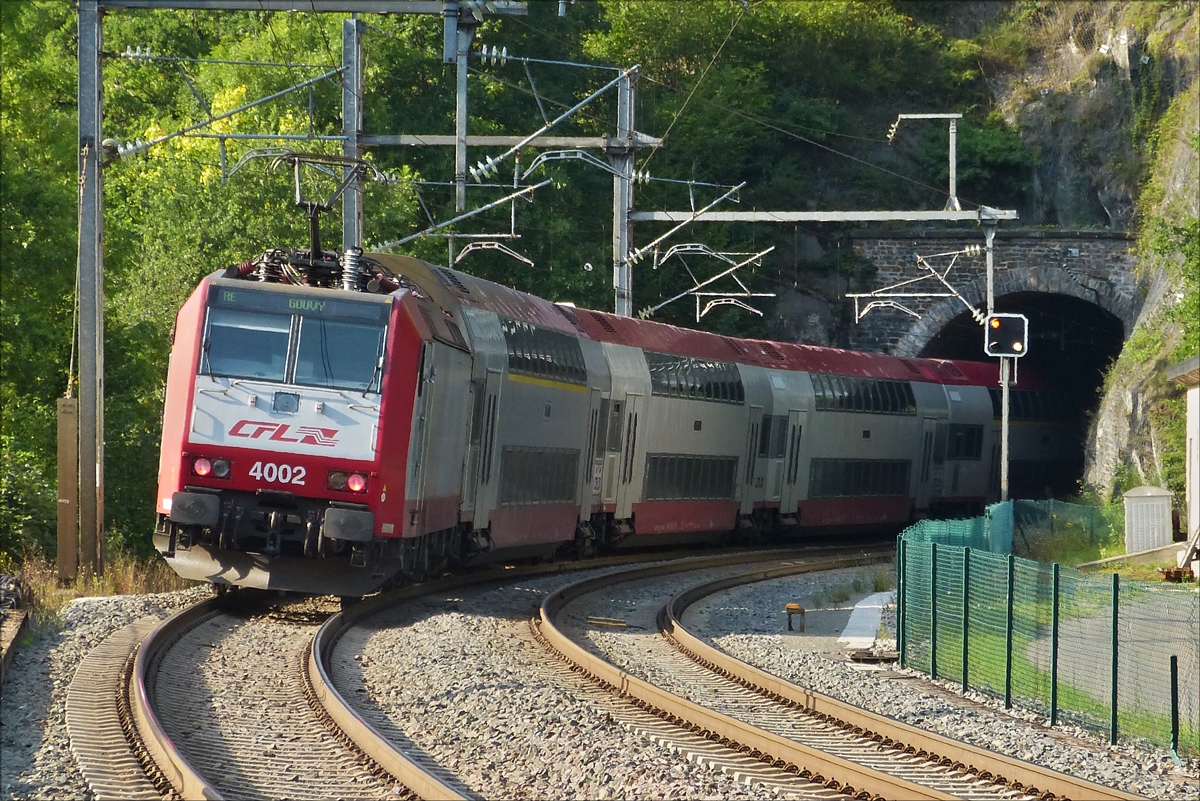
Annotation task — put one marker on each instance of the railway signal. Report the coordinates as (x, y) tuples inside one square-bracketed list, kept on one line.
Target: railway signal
[(1006, 335)]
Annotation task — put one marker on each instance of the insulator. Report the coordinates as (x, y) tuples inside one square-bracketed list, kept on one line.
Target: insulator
[(269, 271), (640, 176), (494, 56), (240, 270), (352, 270), (270, 267), (483, 169)]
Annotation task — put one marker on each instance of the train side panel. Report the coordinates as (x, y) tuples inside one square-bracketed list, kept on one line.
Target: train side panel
[(181, 378), (690, 448), (861, 454), (539, 445)]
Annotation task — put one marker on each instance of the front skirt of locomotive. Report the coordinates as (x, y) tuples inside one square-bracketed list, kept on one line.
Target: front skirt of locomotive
[(270, 547), (297, 574)]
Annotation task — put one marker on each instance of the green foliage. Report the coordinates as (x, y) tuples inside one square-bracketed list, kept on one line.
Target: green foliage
[(27, 500), (756, 93)]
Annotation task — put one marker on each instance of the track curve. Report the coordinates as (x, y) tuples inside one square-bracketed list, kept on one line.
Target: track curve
[(1021, 776), (836, 756), (225, 705)]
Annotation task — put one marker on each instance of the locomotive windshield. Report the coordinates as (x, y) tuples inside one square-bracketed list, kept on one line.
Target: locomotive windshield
[(335, 344)]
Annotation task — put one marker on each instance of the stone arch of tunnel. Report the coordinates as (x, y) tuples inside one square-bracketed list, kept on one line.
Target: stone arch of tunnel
[(1071, 344)]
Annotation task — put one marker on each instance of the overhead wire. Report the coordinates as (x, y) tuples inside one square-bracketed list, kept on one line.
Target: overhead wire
[(767, 123), (695, 86)]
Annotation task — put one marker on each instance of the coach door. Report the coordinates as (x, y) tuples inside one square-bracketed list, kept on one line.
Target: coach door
[(750, 474), (933, 459), (629, 475), (791, 461), (483, 444), (593, 466)]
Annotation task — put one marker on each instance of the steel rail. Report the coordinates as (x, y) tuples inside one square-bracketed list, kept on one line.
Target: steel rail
[(186, 781), (362, 734), (1022, 776), (834, 772)]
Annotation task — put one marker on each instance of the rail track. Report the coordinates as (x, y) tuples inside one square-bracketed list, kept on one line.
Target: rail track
[(229, 699), (742, 710), (150, 713), (293, 725)]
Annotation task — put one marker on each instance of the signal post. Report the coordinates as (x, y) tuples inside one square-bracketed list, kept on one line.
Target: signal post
[(1005, 336)]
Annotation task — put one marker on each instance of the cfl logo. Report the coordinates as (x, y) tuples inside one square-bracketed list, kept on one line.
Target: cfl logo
[(305, 435)]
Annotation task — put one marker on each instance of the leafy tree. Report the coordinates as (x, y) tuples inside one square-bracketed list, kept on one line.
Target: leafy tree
[(37, 254), (792, 98)]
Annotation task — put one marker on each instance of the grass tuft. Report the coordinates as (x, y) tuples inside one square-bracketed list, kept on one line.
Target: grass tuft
[(41, 592)]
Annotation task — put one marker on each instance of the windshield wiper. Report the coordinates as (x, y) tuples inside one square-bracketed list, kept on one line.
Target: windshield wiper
[(374, 376)]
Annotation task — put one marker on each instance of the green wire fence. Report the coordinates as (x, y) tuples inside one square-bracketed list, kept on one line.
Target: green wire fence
[(1094, 650)]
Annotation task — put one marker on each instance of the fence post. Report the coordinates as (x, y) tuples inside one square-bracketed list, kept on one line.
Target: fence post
[(966, 613), (1008, 639), (901, 608), (933, 611), (1112, 719), (1175, 709), (1054, 645)]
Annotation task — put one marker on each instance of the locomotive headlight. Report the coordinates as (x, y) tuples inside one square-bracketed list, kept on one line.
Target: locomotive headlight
[(336, 480), (202, 467), (220, 468), (356, 482)]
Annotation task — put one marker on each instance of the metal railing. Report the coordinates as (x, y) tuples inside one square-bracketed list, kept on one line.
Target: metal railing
[(1096, 650)]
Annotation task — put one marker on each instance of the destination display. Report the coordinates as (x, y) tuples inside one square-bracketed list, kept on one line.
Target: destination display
[(290, 303)]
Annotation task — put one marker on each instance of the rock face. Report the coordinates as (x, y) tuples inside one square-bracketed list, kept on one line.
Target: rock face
[(1107, 98), (1099, 76)]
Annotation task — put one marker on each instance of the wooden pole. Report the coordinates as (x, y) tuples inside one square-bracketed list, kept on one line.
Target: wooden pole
[(68, 488)]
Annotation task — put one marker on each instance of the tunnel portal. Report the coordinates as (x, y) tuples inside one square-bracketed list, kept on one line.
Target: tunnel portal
[(1071, 344)]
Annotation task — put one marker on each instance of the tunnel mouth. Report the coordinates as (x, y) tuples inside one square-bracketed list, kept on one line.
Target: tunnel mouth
[(1072, 344)]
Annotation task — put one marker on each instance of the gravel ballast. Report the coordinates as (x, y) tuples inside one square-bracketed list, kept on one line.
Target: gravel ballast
[(36, 761), (462, 678), (748, 622)]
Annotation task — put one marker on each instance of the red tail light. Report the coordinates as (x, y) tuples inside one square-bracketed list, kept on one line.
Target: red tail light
[(202, 467), (346, 482)]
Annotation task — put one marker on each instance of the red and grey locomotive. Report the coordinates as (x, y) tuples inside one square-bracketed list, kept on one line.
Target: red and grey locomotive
[(332, 425)]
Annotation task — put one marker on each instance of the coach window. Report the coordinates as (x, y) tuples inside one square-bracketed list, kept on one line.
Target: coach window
[(764, 437), (840, 387), (1054, 406), (614, 428), (965, 442), (245, 344), (779, 430), (1035, 406), (895, 403), (339, 354)]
